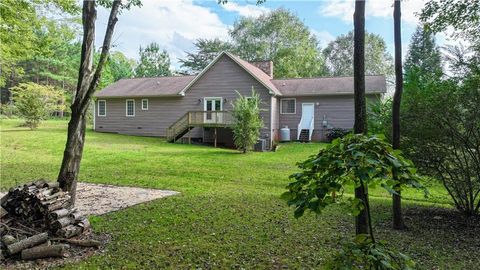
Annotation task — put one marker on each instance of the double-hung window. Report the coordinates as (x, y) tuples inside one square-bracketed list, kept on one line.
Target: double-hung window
[(130, 107), (144, 104), (287, 106), (102, 108)]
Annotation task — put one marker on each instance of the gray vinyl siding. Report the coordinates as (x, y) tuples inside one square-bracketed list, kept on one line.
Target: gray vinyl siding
[(275, 118), (221, 80), (338, 111)]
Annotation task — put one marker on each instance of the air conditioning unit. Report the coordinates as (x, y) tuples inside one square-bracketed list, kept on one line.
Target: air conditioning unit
[(261, 145)]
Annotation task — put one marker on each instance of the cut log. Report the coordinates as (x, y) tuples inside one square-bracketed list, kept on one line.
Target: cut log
[(39, 183), (62, 222), (43, 252), (53, 185), (84, 223), (78, 217), (81, 243), (8, 239), (61, 213), (3, 212), (69, 231), (4, 199), (27, 243)]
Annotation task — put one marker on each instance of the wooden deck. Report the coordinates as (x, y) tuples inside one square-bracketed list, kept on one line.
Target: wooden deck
[(212, 119)]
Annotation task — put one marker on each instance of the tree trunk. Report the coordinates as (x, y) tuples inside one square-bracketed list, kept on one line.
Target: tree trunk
[(361, 193), (398, 222), (87, 82)]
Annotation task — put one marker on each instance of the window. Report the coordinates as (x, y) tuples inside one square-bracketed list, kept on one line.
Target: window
[(102, 108), (130, 107), (287, 106), (144, 104)]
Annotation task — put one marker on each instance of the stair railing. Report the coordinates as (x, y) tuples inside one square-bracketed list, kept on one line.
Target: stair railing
[(198, 118), (178, 126)]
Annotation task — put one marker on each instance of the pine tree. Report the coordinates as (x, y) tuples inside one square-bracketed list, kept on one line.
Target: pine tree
[(423, 54)]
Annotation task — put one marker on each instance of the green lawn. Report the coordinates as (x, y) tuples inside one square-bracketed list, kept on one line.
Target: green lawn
[(228, 215)]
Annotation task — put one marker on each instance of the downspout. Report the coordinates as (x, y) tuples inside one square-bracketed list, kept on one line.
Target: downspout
[(271, 122)]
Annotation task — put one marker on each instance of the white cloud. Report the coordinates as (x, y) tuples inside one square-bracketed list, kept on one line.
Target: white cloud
[(323, 37), (344, 9), (174, 25), (246, 10)]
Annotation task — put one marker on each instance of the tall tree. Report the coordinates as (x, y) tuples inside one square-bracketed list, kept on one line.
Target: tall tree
[(282, 37), (153, 62), (118, 67), (423, 54), (56, 55), (398, 222), (21, 20), (88, 79), (206, 51), (462, 16), (339, 52), (361, 193)]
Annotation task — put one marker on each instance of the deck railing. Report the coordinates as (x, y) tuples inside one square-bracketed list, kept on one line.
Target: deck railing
[(199, 119)]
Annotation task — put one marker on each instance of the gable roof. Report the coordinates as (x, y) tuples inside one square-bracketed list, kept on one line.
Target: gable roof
[(178, 85), (256, 73), (328, 86), (146, 87)]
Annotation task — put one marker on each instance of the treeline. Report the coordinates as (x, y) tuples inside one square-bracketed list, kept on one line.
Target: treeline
[(41, 45)]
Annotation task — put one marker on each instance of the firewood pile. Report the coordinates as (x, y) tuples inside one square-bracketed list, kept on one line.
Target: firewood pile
[(37, 221)]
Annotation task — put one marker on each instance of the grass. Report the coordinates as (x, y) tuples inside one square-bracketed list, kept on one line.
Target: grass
[(228, 215)]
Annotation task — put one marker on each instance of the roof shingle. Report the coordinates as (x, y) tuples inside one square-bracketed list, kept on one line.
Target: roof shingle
[(328, 86), (146, 87)]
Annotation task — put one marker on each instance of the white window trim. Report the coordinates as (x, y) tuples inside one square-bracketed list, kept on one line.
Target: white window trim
[(126, 107), (212, 98), (98, 109), (294, 107), (145, 109)]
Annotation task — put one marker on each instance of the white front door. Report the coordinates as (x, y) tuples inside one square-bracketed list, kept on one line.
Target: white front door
[(213, 105), (307, 115)]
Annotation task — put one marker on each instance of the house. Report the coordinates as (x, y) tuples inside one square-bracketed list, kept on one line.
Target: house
[(196, 107)]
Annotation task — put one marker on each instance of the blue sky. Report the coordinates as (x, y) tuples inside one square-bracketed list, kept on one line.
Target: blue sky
[(175, 24)]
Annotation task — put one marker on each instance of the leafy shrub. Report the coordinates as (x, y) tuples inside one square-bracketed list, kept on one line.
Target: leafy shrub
[(36, 102), (336, 133), (354, 159), (441, 132), (8, 110), (363, 253), (246, 121), (380, 117)]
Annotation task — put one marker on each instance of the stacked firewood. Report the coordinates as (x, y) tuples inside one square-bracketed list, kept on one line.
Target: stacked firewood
[(32, 215)]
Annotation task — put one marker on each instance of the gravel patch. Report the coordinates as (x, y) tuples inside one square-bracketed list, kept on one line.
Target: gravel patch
[(99, 199)]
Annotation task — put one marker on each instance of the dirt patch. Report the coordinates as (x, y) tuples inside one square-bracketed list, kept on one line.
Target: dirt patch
[(99, 199), (95, 199)]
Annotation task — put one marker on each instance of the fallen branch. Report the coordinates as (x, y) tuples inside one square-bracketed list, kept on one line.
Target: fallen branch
[(81, 243)]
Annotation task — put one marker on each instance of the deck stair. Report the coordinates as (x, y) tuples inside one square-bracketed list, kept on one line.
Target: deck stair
[(304, 135), (189, 120)]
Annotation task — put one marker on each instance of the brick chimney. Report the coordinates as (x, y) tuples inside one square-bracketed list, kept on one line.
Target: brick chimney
[(265, 66)]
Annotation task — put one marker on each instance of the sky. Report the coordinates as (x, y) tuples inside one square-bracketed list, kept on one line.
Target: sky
[(176, 24)]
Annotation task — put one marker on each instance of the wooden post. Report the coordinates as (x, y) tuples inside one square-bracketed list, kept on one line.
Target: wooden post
[(215, 141), (189, 136)]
